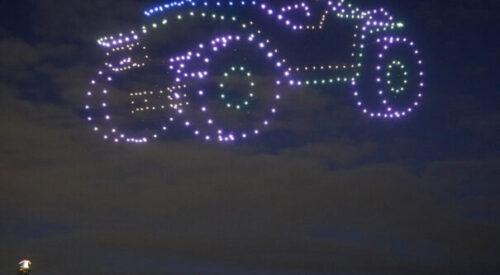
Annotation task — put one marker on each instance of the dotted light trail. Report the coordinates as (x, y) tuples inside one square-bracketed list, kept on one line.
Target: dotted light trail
[(384, 74)]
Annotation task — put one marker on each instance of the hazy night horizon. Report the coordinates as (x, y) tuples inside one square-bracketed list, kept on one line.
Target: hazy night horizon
[(249, 137)]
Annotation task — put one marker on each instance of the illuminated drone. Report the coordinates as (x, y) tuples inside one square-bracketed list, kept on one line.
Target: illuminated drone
[(227, 85)]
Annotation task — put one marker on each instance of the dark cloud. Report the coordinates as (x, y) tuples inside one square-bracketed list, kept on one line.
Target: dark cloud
[(70, 20), (18, 57), (172, 200)]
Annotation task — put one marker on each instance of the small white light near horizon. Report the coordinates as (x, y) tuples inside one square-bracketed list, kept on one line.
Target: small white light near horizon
[(24, 265)]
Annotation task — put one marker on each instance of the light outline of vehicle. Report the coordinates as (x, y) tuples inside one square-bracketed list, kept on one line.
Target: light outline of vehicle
[(370, 23)]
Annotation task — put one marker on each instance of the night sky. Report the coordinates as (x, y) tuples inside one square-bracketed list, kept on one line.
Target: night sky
[(324, 191)]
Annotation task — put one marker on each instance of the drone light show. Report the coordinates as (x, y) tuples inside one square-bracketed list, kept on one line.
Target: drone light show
[(219, 69)]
